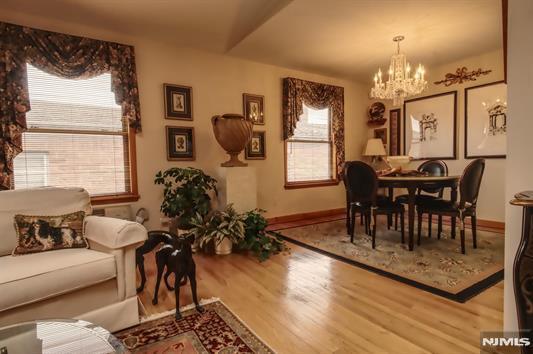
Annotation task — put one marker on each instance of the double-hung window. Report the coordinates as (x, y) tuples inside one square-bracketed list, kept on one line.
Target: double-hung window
[(76, 137), (309, 153)]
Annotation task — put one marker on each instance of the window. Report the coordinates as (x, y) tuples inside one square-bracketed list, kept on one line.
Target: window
[(31, 169), (76, 138), (309, 152)]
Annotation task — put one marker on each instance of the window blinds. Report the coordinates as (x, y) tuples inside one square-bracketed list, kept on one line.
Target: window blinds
[(309, 150), (75, 137)]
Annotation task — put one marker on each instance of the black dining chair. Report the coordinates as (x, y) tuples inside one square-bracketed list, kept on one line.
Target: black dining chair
[(432, 168), (364, 219), (362, 188), (469, 185)]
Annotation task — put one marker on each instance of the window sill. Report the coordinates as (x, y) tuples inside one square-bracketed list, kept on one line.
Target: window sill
[(114, 199), (311, 184)]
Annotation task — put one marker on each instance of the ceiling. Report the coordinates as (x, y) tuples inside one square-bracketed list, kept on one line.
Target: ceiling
[(345, 38)]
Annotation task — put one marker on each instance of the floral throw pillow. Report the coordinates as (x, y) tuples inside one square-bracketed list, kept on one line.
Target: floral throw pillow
[(47, 233)]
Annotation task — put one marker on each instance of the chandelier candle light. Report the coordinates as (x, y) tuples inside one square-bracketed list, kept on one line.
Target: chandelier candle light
[(400, 84)]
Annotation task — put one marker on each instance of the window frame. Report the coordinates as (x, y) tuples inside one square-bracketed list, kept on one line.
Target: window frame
[(133, 194), (130, 148), (313, 183), (127, 197)]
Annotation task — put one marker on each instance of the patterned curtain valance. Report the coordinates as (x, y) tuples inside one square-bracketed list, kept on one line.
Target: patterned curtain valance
[(296, 92), (64, 56)]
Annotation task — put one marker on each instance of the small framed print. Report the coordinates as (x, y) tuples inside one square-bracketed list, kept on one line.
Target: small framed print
[(178, 102), (253, 106), (256, 149), (180, 143)]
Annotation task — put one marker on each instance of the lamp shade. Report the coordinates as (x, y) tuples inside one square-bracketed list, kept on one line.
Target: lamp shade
[(374, 147)]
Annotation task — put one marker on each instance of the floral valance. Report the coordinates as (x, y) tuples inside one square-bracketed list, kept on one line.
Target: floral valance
[(62, 55), (296, 92)]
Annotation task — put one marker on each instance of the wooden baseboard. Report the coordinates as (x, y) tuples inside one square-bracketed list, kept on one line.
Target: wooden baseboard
[(481, 223), (305, 216)]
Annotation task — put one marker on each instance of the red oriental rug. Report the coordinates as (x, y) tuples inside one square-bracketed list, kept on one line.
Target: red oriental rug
[(217, 330)]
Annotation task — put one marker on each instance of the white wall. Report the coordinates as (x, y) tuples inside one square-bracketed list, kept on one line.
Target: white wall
[(218, 84), (519, 174), (491, 205)]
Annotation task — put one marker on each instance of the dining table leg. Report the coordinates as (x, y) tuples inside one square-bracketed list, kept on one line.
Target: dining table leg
[(453, 198), (411, 190)]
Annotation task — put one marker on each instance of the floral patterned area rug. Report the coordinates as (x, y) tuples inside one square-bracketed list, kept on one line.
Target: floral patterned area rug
[(216, 330), (436, 266)]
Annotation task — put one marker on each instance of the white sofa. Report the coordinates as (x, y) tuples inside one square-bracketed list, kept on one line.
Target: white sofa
[(96, 284)]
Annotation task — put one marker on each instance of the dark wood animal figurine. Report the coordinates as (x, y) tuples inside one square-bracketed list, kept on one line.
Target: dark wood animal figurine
[(176, 256)]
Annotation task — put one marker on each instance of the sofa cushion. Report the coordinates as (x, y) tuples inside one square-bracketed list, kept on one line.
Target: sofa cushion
[(37, 201), (48, 233), (38, 276)]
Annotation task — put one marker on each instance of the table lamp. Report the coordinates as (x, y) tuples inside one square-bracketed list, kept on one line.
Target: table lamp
[(375, 149)]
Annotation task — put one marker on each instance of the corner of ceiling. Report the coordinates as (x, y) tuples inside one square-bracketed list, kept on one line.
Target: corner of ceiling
[(245, 28)]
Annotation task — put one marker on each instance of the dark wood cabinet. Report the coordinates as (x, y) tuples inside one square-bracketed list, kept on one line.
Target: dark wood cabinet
[(523, 271)]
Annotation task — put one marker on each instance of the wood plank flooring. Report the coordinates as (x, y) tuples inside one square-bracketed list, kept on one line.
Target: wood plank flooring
[(304, 302)]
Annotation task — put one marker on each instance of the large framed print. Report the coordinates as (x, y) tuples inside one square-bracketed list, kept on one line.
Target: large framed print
[(430, 127), (486, 121)]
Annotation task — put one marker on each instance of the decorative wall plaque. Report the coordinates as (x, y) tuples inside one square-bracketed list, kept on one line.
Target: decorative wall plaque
[(461, 75)]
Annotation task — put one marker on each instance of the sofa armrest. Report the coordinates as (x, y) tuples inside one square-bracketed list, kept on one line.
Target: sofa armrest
[(114, 233)]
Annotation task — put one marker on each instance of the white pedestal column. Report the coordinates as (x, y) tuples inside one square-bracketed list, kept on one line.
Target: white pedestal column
[(238, 186)]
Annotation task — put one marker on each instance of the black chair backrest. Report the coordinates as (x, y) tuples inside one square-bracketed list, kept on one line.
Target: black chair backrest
[(434, 168), (471, 181), (361, 182)]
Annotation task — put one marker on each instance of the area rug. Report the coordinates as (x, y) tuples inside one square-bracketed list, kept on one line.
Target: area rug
[(216, 330), (436, 266)]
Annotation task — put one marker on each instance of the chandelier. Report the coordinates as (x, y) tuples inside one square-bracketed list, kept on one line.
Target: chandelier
[(400, 83)]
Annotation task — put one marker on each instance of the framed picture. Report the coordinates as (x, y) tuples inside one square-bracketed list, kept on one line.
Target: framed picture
[(430, 127), (254, 108), (178, 102), (256, 149), (486, 121), (395, 124), (180, 143), (381, 133)]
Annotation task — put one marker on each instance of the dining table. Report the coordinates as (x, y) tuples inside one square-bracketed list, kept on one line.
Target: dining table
[(413, 184)]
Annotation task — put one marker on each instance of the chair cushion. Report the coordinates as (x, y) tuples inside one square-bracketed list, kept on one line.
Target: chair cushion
[(382, 204), (443, 205), (439, 204), (38, 276), (419, 198)]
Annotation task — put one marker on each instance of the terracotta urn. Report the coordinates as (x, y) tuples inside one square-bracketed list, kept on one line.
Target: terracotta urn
[(232, 132)]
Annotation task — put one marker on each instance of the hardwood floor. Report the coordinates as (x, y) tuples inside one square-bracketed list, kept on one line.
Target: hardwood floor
[(303, 302)]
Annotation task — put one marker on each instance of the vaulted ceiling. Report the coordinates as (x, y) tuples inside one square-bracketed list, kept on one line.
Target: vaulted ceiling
[(346, 38)]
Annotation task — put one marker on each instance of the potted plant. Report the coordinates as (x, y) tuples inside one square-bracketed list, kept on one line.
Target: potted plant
[(186, 194), (222, 228), (256, 239)]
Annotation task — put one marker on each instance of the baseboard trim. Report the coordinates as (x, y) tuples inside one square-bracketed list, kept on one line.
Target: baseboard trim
[(481, 223), (305, 216)]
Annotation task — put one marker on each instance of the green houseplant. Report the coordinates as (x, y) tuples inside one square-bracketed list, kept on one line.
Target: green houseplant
[(256, 239), (186, 194), (223, 228)]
